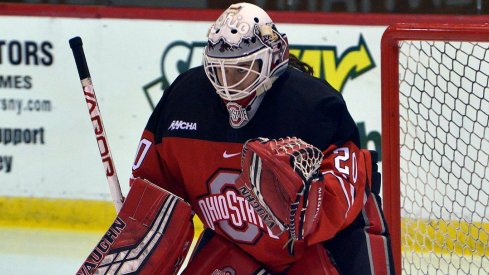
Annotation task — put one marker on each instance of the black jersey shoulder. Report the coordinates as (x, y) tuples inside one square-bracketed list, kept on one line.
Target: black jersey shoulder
[(304, 106), (298, 87), (189, 108), (296, 105)]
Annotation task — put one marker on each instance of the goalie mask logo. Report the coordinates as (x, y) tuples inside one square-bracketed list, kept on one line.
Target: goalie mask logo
[(237, 115), (226, 209)]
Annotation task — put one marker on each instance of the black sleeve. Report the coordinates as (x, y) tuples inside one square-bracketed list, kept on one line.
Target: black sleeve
[(336, 126), (346, 129)]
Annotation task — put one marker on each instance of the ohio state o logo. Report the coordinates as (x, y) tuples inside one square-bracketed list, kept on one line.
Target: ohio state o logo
[(224, 207)]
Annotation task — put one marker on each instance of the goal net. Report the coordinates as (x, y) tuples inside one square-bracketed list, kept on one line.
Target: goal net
[(435, 127)]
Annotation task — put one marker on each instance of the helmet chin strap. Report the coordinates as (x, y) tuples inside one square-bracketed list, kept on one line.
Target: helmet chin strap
[(239, 116)]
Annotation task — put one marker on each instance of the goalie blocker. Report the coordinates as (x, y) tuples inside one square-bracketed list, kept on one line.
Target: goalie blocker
[(151, 235)]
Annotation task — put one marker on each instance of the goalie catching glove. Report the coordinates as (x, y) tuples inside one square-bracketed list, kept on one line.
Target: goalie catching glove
[(280, 178)]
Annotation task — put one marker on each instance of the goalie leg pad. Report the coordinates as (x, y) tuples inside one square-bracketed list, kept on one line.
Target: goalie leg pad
[(151, 234)]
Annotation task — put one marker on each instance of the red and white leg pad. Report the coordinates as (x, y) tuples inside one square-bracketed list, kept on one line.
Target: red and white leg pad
[(151, 234)]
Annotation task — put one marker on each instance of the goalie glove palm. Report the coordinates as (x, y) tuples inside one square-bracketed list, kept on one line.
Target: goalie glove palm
[(281, 180)]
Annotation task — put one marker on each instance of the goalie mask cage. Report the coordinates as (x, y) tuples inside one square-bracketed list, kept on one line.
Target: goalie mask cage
[(435, 113)]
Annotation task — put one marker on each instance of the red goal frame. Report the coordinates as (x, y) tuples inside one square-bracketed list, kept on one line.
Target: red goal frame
[(390, 108)]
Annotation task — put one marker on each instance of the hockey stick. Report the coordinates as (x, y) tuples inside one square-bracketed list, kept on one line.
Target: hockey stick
[(153, 230), (94, 112)]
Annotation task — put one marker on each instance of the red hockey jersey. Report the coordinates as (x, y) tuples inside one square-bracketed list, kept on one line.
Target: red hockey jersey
[(189, 148)]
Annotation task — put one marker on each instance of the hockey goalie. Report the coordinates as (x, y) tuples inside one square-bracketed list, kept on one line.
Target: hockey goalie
[(265, 154)]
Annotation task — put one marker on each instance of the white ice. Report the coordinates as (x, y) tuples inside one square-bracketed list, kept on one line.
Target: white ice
[(25, 251), (44, 251)]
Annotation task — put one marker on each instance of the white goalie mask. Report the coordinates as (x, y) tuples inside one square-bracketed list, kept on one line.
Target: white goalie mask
[(244, 39)]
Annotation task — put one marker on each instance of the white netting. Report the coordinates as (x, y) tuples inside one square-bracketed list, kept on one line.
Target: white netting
[(305, 158), (444, 157)]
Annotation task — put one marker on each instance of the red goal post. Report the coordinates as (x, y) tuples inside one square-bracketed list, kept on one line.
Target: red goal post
[(435, 108)]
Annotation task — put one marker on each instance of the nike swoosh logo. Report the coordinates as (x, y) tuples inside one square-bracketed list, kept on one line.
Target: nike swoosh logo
[(226, 155)]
